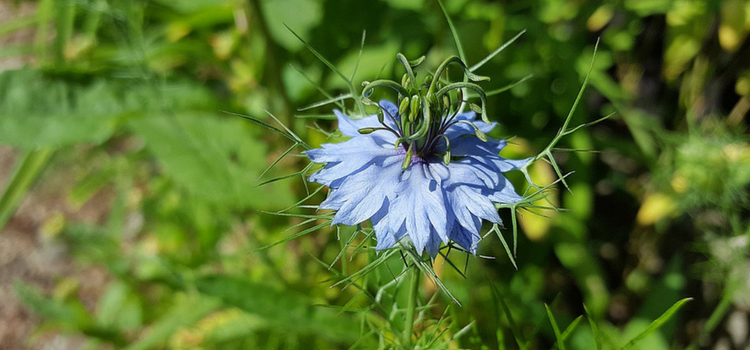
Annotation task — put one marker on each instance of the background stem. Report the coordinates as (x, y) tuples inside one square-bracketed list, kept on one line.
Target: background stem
[(411, 306)]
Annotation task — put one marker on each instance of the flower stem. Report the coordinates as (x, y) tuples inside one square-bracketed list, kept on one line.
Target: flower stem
[(411, 306)]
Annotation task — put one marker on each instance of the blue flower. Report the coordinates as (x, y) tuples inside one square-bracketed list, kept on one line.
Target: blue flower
[(433, 186)]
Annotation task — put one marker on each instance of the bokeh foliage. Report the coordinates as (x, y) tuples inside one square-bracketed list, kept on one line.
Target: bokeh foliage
[(128, 98)]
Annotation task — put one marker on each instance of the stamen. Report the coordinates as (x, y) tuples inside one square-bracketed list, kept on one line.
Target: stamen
[(370, 86), (478, 133), (447, 155), (407, 158), (478, 89), (365, 131), (427, 111)]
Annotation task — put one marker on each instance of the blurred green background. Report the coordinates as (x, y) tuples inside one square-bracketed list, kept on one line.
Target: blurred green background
[(131, 213)]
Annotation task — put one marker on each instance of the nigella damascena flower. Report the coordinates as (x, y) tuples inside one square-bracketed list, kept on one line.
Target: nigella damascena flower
[(431, 179)]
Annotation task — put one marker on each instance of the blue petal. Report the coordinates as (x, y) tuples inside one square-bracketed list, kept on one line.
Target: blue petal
[(350, 127), (391, 112), (433, 243), (473, 171), (386, 235), (472, 146), (347, 158), (505, 165), (468, 116), (420, 205), (504, 192), (483, 173), (499, 163), (467, 202), (362, 148), (467, 238), (459, 129), (362, 194)]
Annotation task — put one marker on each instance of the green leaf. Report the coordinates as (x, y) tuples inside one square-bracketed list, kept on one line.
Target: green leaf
[(187, 310), (371, 63), (39, 111), (119, 307), (414, 5), (300, 15), (72, 316), (43, 110), (289, 312), (213, 157)]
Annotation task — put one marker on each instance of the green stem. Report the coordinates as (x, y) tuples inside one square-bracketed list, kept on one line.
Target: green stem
[(411, 306)]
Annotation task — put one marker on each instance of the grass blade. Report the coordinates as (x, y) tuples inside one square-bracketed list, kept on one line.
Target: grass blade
[(23, 176), (555, 328), (517, 334), (666, 316), (571, 327), (594, 329)]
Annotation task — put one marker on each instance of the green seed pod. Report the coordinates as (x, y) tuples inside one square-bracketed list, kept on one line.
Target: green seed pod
[(446, 101), (407, 158), (414, 104), (365, 131), (403, 107), (447, 158)]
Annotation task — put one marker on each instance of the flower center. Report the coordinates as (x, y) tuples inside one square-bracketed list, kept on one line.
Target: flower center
[(427, 110)]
